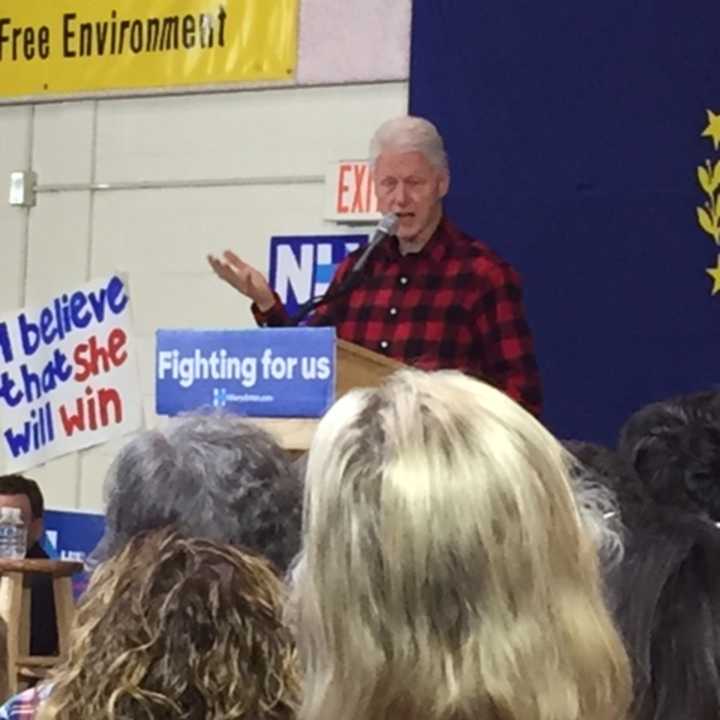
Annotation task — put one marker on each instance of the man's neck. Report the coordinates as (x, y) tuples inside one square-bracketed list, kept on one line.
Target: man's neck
[(414, 245)]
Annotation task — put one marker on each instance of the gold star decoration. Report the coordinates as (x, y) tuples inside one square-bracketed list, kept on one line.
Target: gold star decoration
[(713, 128), (714, 273)]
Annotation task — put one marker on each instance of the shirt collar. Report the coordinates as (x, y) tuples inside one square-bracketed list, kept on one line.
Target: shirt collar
[(435, 249)]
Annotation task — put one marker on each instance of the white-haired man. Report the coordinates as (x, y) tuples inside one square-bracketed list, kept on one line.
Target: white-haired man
[(430, 296)]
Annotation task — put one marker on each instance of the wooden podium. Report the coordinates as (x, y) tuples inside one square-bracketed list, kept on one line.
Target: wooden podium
[(356, 366)]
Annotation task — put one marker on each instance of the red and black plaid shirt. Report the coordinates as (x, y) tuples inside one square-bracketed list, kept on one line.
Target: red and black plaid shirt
[(455, 304)]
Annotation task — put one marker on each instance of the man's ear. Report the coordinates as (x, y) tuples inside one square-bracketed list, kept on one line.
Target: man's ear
[(444, 182), (35, 531)]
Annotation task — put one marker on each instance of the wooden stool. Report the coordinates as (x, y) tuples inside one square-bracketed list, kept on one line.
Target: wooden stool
[(15, 611)]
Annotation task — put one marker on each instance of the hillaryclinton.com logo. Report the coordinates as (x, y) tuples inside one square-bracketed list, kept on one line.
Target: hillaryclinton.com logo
[(220, 397)]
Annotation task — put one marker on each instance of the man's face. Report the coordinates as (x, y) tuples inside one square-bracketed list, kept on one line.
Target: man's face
[(34, 525), (408, 185)]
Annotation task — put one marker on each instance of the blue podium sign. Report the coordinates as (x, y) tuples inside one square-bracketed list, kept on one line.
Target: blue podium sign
[(268, 372)]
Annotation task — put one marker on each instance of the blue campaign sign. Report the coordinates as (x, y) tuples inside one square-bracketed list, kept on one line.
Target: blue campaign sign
[(268, 372), (73, 535), (302, 266)]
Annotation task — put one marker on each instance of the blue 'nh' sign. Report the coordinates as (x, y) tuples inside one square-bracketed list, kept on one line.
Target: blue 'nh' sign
[(302, 266), (268, 372)]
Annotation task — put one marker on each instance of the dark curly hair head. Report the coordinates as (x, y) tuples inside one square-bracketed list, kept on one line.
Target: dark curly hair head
[(173, 627), (668, 608), (214, 476), (674, 447), (610, 469)]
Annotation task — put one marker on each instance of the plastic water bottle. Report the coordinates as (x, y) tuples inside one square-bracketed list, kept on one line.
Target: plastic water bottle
[(13, 534)]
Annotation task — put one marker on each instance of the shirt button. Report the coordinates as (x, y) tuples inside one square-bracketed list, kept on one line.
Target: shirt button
[(403, 280), (393, 311), (384, 344)]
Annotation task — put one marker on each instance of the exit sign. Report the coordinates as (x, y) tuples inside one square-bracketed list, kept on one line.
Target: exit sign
[(350, 192)]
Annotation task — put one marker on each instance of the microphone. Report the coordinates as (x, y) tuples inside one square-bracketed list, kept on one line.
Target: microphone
[(384, 228)]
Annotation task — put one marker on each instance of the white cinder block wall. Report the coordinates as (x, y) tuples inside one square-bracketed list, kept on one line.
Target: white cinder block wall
[(261, 146)]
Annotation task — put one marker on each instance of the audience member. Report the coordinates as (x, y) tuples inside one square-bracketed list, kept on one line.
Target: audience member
[(600, 466), (21, 492), (212, 476), (667, 594), (174, 627), (666, 591), (446, 571), (608, 468), (674, 447)]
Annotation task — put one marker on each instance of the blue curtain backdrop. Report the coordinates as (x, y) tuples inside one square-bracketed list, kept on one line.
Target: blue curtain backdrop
[(574, 132)]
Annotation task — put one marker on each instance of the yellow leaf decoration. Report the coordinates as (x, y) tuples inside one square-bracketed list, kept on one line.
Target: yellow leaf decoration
[(706, 223), (704, 179), (708, 177)]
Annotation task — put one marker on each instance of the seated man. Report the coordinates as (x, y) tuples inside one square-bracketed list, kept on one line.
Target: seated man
[(21, 492)]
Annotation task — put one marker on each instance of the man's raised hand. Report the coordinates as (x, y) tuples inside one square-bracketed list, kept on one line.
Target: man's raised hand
[(244, 278)]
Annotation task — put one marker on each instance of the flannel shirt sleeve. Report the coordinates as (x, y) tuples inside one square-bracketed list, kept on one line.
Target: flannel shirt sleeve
[(277, 315), (507, 340)]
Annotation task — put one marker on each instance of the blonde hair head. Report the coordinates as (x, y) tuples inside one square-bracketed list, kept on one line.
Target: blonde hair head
[(446, 571)]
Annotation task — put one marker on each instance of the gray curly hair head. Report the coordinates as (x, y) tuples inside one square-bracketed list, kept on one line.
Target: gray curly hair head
[(216, 477)]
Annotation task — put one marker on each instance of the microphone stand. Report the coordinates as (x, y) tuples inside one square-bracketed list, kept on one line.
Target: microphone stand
[(313, 303), (384, 229)]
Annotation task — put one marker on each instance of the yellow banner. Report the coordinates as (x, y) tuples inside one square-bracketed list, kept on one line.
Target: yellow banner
[(80, 46)]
